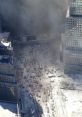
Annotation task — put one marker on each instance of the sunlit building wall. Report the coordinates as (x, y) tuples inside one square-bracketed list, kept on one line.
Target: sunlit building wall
[(72, 39)]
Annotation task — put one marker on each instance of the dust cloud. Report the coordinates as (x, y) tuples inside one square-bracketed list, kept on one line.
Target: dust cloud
[(36, 17)]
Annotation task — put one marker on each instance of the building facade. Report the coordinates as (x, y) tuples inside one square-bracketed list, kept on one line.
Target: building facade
[(8, 84), (72, 39)]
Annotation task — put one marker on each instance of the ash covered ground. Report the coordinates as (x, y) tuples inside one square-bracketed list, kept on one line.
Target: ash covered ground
[(41, 74)]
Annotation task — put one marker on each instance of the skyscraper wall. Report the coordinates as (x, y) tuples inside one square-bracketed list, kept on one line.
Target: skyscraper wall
[(72, 39), (76, 8), (8, 84)]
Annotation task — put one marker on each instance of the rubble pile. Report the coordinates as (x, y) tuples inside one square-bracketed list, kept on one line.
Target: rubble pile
[(45, 81)]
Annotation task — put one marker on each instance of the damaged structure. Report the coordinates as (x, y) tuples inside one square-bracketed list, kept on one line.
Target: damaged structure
[(72, 39), (8, 83)]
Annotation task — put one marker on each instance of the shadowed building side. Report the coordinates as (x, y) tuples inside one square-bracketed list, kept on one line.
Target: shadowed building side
[(8, 84)]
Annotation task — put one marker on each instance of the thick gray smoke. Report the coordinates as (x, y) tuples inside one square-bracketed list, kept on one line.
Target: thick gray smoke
[(34, 16)]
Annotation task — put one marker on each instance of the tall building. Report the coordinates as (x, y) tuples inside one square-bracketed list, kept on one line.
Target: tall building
[(76, 8), (8, 85), (72, 39)]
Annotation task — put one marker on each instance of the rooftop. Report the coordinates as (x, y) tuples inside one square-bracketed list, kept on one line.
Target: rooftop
[(8, 110)]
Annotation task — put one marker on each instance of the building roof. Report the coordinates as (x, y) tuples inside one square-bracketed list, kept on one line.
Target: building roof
[(8, 109)]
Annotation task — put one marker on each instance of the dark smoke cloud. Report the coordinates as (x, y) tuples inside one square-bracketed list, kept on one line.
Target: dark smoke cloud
[(34, 16)]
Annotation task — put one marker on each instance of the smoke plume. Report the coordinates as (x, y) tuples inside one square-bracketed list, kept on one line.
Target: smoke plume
[(35, 17)]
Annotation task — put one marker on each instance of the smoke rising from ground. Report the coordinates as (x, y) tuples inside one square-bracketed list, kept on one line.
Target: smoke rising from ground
[(34, 16)]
